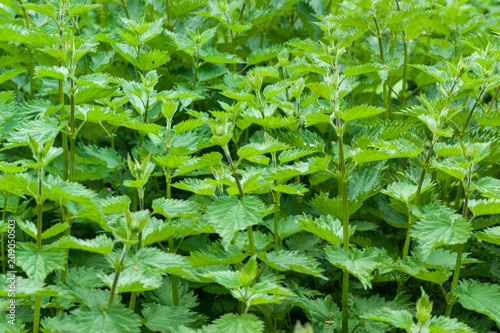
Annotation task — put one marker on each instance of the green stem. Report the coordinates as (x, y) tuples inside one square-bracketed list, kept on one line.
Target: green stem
[(171, 247), (175, 288), (38, 299), (36, 319), (381, 54), (472, 112), (167, 4), (64, 136), (73, 134), (456, 274), (241, 195), (276, 221), (195, 75), (345, 233), (124, 4), (405, 66), (492, 101), (117, 275), (406, 248), (40, 211), (133, 295), (31, 73)]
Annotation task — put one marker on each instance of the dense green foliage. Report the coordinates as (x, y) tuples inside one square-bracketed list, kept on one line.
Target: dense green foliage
[(241, 166)]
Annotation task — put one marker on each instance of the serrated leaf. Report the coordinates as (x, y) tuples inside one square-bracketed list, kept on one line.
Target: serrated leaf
[(363, 69), (39, 263), (415, 268), (360, 263), (359, 112), (9, 74), (90, 94), (397, 318), (479, 297), (132, 279), (167, 319), (197, 186), (254, 149), (228, 215), (230, 322), (213, 56), (441, 229), (490, 235), (405, 191), (215, 254), (490, 187), (292, 260), (209, 159), (333, 206), (101, 244), (155, 260), (484, 207), (325, 227), (114, 319), (56, 72), (172, 208)]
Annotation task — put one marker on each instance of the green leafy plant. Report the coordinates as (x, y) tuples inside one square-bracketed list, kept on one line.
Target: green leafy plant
[(250, 166)]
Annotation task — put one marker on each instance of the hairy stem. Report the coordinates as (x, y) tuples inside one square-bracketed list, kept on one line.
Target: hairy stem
[(345, 232), (39, 203), (456, 274), (36, 319), (117, 275), (64, 136), (241, 195), (73, 133)]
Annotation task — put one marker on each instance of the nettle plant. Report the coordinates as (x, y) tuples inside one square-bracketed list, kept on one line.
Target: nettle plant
[(250, 166)]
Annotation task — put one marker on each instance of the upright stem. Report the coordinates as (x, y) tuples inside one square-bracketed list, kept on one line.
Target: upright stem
[(124, 4), (36, 319), (458, 264), (167, 3), (40, 211), (64, 136), (277, 242), (405, 58), (39, 201), (175, 288), (73, 133), (241, 195), (133, 295), (492, 101), (411, 220), (117, 275), (381, 53), (345, 232), (472, 111), (405, 66)]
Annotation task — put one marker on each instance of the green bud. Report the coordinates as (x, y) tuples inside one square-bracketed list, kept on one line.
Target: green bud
[(168, 109), (424, 308)]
